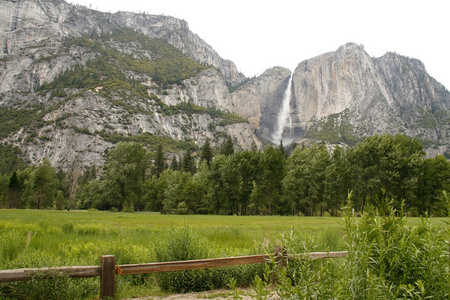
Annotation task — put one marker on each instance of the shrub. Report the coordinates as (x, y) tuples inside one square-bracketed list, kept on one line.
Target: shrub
[(13, 243), (48, 289), (182, 243), (301, 278), (389, 259)]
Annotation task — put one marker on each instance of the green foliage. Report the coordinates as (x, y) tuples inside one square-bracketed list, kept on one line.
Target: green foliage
[(124, 175), (182, 243), (44, 184), (385, 165), (168, 65), (388, 259), (99, 72), (266, 196), (389, 256), (60, 287), (188, 163), (188, 108), (227, 148), (206, 153), (433, 182), (11, 159), (160, 163), (305, 178), (311, 181), (334, 130), (14, 119)]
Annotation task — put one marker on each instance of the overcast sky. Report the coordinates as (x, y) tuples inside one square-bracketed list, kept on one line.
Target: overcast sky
[(259, 34)]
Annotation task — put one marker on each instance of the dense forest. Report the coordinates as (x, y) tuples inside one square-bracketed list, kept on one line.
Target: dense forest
[(310, 180)]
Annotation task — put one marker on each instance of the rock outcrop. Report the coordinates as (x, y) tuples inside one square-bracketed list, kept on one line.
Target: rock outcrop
[(338, 97), (259, 100), (39, 40), (346, 95), (33, 23)]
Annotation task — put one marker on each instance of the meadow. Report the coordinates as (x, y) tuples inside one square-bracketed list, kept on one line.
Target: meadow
[(48, 238)]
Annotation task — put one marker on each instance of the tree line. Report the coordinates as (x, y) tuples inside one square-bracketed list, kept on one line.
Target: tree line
[(311, 180)]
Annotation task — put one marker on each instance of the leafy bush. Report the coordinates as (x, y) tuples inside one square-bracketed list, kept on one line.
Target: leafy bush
[(393, 260), (386, 260), (55, 288), (303, 278), (12, 244), (182, 243)]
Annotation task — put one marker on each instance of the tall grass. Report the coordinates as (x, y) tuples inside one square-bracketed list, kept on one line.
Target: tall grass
[(387, 259), (31, 239), (391, 259), (390, 256), (183, 243)]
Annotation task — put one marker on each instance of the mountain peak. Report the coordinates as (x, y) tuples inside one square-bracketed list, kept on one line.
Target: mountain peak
[(350, 46), (75, 81)]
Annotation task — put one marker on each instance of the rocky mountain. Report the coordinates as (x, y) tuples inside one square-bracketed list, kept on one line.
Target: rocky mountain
[(345, 95), (75, 81)]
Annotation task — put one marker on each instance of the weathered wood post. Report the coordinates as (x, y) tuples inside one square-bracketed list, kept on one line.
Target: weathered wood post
[(281, 256), (108, 276)]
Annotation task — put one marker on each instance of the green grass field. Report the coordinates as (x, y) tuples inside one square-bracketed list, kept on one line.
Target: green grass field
[(52, 228), (47, 238), (240, 232)]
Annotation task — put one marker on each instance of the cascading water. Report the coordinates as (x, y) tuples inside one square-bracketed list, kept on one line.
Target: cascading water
[(284, 116)]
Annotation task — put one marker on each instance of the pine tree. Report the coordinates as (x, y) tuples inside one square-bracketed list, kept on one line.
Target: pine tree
[(174, 164), (14, 191), (160, 163), (206, 154), (227, 147), (282, 149), (188, 163)]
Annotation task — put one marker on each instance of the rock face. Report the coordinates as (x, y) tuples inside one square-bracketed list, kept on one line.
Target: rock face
[(80, 124), (259, 100), (337, 97), (25, 23), (177, 33), (343, 96)]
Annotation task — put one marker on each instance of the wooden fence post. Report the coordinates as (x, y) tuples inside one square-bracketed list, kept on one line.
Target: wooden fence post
[(108, 276), (281, 256)]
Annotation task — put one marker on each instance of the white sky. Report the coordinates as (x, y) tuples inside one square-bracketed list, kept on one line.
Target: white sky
[(259, 34)]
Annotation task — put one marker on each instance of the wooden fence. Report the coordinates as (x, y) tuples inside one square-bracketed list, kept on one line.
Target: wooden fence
[(108, 268)]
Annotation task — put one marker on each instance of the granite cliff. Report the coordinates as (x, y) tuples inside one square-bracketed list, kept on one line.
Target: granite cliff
[(80, 80), (75, 81), (346, 95)]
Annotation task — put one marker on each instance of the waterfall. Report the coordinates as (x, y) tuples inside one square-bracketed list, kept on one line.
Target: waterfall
[(284, 116)]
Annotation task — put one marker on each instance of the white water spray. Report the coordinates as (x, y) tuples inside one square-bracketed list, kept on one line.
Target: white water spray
[(284, 116)]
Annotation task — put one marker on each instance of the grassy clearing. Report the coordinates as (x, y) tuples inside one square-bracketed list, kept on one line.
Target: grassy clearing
[(43, 238), (240, 232), (32, 238)]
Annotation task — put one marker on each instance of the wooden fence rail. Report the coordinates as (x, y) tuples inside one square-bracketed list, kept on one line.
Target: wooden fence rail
[(108, 268)]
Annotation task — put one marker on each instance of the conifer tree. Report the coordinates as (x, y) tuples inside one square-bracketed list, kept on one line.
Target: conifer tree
[(174, 164), (282, 149), (14, 191), (206, 154), (227, 147), (188, 163), (160, 163)]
